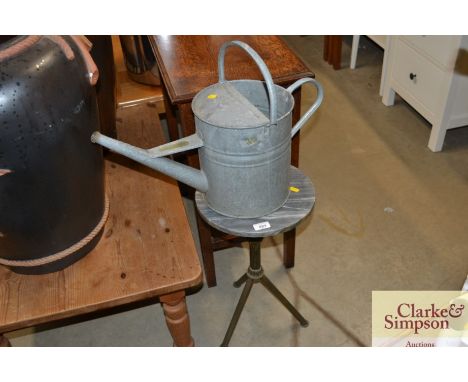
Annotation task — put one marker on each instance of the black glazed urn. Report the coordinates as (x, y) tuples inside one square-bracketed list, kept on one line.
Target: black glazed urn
[(52, 199)]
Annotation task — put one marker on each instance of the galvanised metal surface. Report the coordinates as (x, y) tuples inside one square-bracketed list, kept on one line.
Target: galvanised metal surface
[(247, 165), (244, 140)]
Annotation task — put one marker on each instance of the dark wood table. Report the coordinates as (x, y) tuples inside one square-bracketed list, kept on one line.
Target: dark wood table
[(188, 64), (146, 251)]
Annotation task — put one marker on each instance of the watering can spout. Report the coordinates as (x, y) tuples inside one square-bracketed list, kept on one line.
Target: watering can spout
[(153, 158)]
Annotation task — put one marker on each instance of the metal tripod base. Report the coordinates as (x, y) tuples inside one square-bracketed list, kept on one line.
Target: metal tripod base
[(255, 275)]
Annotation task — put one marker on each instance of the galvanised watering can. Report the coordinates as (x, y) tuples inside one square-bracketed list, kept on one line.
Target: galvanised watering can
[(243, 136)]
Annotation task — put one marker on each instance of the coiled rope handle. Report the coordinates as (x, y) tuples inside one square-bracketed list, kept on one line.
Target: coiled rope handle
[(19, 47), (83, 44), (66, 252), (261, 65)]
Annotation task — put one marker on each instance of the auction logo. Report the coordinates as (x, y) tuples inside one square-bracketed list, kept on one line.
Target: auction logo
[(422, 318)]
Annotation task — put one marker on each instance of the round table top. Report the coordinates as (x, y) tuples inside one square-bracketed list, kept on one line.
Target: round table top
[(300, 202)]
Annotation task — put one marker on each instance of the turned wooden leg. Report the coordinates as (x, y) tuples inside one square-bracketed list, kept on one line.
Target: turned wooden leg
[(177, 318), (4, 342)]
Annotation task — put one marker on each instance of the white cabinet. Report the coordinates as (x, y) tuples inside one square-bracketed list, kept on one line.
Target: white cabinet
[(429, 72)]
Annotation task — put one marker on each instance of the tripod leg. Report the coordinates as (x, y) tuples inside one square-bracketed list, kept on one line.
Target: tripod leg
[(275, 292), (237, 312), (239, 282)]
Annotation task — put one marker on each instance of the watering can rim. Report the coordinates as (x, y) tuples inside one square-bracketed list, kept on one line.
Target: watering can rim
[(204, 90)]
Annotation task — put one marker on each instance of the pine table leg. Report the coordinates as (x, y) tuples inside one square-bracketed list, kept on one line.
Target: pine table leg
[(177, 319)]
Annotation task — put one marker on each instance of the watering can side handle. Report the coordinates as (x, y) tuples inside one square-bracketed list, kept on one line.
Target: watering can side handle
[(261, 65), (313, 108)]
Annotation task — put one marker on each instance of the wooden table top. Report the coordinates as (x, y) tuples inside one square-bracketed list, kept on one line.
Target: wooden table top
[(190, 63), (147, 248)]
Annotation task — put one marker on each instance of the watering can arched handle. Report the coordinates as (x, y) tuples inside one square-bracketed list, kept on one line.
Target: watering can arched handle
[(261, 65), (313, 108)]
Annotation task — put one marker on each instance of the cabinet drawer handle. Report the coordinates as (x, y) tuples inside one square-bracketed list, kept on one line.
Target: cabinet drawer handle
[(412, 76)]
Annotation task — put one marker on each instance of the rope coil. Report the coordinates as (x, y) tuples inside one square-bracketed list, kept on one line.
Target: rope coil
[(66, 252), (82, 43)]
